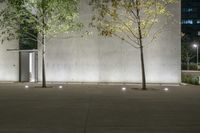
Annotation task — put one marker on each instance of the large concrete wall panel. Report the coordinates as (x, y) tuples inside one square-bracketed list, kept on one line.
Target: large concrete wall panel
[(100, 59), (9, 62)]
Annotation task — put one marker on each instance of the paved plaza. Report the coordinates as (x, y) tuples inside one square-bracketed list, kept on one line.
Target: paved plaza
[(99, 109)]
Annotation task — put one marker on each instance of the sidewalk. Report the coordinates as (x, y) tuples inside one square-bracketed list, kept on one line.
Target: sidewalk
[(99, 109)]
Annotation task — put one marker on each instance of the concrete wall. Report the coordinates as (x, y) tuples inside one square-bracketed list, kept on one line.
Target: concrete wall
[(100, 59), (9, 62)]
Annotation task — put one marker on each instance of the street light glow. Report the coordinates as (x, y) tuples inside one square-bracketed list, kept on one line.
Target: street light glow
[(195, 45)]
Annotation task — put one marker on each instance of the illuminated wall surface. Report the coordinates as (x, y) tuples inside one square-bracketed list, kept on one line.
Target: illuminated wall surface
[(100, 59), (9, 62)]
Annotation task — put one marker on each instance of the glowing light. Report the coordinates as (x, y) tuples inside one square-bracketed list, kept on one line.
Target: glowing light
[(123, 88), (31, 68), (166, 89), (60, 87), (26, 86), (195, 45)]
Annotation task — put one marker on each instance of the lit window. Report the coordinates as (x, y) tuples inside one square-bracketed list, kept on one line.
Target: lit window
[(187, 21), (187, 10), (198, 21)]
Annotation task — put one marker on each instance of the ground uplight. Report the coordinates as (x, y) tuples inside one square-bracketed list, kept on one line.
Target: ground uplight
[(123, 88), (166, 89), (26, 86)]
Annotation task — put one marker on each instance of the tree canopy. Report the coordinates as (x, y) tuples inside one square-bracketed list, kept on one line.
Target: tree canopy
[(37, 20), (123, 18), (45, 16)]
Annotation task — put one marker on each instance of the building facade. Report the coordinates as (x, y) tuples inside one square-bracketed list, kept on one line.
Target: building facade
[(191, 19), (98, 59)]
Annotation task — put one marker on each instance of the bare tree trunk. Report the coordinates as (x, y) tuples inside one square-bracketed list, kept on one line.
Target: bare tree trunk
[(141, 47), (43, 62), (143, 69), (188, 65), (43, 48)]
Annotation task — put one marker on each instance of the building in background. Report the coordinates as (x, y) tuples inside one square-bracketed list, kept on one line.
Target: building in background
[(191, 20)]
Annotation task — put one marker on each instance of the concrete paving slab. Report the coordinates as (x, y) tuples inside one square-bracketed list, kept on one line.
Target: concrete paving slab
[(99, 109)]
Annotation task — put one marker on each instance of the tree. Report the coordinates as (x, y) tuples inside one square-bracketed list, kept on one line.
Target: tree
[(187, 54), (132, 21), (47, 18)]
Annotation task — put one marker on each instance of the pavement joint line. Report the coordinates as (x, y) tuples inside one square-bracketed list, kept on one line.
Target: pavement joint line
[(87, 114)]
